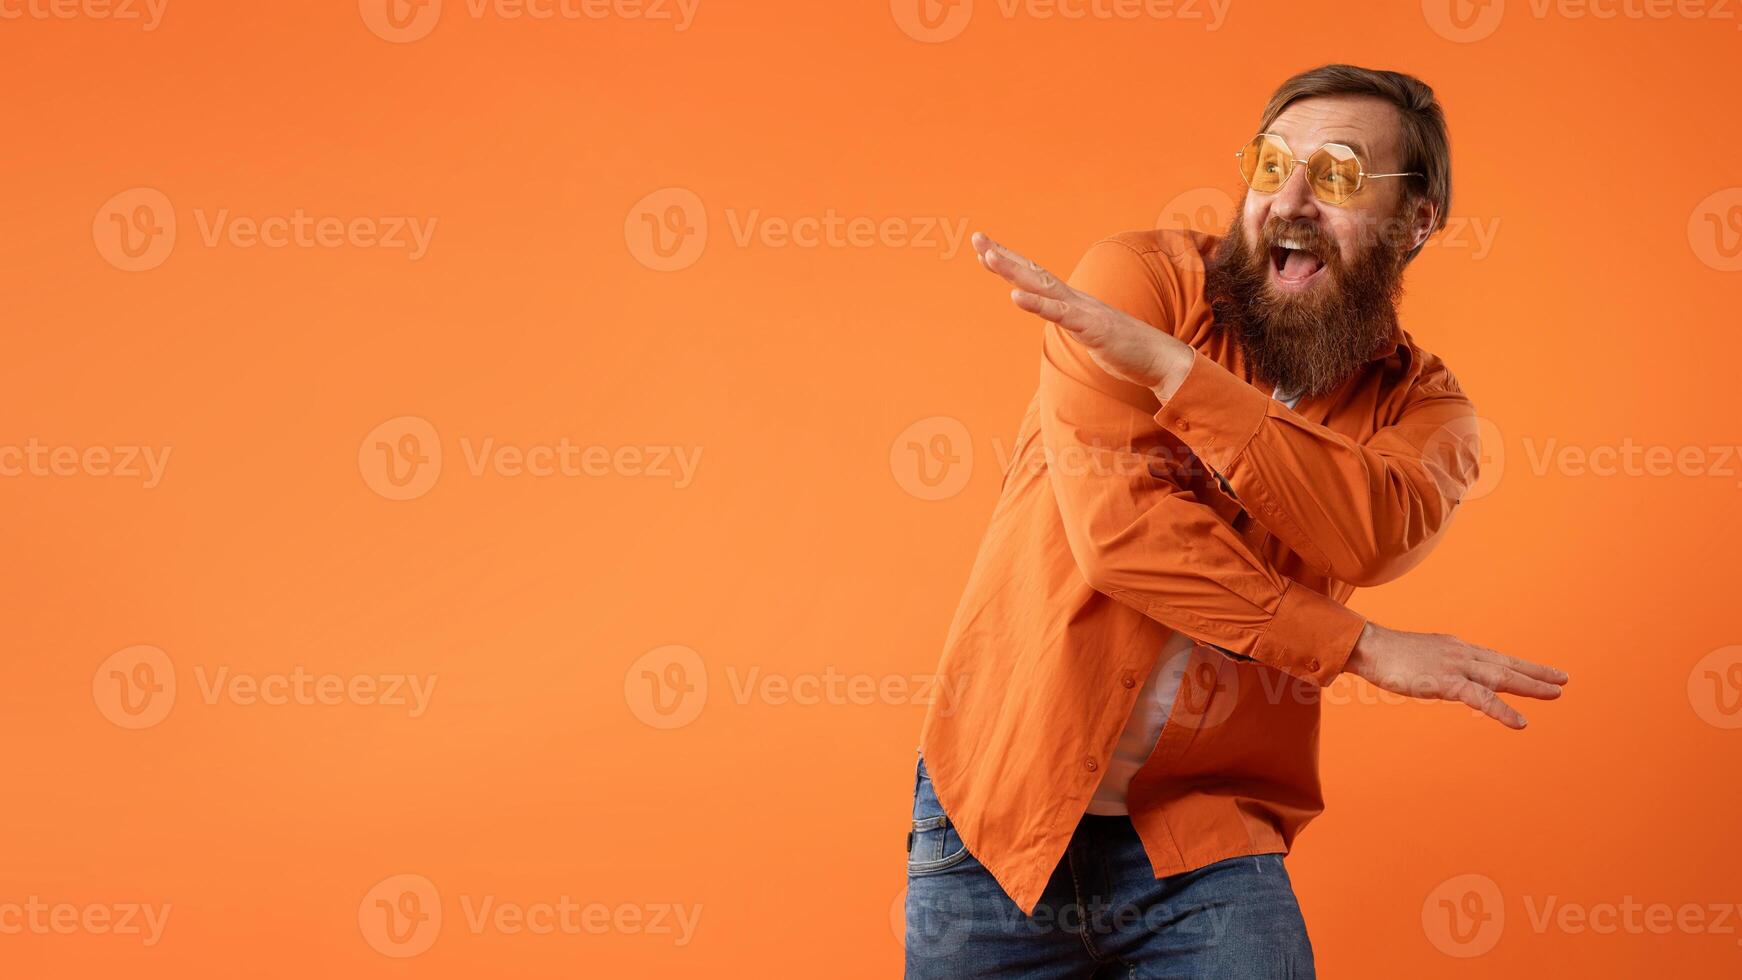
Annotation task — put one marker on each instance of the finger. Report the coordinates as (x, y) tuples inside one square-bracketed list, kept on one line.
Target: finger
[(1022, 273), (1542, 672), (1489, 703), (1508, 681), (1055, 310), (983, 247)]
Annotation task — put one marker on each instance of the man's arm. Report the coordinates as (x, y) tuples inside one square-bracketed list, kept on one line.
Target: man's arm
[(1362, 513), (1139, 538)]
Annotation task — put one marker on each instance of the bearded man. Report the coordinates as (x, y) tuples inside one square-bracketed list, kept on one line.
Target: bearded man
[(1230, 434)]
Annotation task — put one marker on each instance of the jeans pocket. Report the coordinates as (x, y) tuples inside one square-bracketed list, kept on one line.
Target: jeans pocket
[(933, 844)]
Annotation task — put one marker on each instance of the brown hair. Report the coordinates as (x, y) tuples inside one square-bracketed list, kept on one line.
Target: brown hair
[(1427, 148)]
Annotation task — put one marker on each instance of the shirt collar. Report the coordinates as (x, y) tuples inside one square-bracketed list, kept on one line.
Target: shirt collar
[(1397, 343)]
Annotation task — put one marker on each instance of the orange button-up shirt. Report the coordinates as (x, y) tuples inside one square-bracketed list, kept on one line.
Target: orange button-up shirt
[(1223, 515)]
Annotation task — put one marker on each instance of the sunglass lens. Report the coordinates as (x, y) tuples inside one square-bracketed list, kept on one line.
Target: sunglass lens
[(1336, 172), (1264, 163)]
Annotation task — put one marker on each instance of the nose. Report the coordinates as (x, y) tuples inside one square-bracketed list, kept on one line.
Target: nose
[(1294, 200)]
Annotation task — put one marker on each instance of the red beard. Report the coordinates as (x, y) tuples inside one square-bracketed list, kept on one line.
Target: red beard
[(1305, 344)]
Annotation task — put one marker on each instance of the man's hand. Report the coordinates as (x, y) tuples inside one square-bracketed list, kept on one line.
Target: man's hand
[(1121, 344), (1431, 665)]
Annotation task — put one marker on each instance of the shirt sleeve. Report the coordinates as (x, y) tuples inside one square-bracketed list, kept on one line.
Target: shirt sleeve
[(1134, 533), (1363, 512)]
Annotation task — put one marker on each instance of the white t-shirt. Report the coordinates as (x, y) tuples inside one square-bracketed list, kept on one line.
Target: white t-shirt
[(1149, 714)]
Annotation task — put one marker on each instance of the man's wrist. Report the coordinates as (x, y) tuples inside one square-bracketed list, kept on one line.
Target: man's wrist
[(1361, 656), (1175, 362), (1309, 636)]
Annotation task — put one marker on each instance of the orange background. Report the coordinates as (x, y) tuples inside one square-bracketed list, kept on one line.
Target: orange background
[(1591, 147)]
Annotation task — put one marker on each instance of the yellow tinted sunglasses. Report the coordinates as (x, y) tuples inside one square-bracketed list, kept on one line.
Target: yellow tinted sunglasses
[(1333, 171)]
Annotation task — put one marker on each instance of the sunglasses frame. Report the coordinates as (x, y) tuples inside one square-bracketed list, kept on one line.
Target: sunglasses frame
[(1361, 174)]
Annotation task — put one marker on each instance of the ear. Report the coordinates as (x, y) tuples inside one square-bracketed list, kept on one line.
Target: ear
[(1424, 216)]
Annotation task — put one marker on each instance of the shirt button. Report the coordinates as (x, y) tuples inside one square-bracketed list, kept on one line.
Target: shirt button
[(1184, 426), (1313, 664), (1128, 680), (1091, 765)]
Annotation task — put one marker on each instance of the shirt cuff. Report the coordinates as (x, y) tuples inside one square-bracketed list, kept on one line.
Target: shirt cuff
[(1214, 412), (1310, 636)]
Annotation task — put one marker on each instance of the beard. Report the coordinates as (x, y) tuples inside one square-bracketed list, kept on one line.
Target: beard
[(1309, 343)]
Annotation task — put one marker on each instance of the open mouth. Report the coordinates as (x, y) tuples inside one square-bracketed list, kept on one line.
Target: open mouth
[(1294, 264)]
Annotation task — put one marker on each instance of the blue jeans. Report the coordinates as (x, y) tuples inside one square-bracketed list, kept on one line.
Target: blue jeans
[(1103, 913)]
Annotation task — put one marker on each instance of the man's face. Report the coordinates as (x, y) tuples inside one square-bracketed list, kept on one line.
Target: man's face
[(1310, 288), (1333, 235)]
